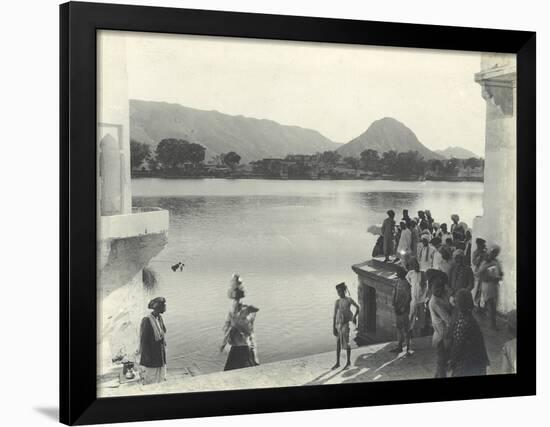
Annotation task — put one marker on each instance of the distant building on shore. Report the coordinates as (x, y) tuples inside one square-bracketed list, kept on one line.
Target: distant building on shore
[(272, 167)]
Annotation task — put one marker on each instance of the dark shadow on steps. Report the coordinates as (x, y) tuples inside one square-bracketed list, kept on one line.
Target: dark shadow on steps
[(321, 379)]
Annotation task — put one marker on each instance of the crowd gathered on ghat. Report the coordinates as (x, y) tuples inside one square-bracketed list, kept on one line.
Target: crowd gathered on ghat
[(441, 280)]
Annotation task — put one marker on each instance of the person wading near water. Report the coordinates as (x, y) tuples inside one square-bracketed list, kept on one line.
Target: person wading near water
[(340, 322), (152, 344), (387, 231)]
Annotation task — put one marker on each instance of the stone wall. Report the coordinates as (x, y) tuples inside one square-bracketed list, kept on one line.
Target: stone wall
[(498, 223), (375, 291), (122, 294)]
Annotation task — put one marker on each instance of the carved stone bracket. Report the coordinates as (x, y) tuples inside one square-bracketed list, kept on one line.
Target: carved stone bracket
[(498, 84), (501, 94)]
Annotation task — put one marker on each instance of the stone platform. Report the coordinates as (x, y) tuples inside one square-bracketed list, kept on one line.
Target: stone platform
[(369, 363)]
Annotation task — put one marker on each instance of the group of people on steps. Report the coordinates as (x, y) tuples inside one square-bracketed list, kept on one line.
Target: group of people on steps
[(440, 282)]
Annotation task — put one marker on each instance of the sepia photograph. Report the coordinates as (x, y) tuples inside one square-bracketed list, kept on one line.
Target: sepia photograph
[(279, 213)]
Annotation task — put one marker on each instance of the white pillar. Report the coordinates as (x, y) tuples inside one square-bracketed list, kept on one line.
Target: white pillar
[(113, 110), (109, 185), (498, 223), (119, 312)]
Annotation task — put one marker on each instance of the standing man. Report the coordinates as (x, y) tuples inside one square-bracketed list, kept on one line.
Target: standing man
[(404, 246), (415, 236), (438, 259), (406, 218), (425, 256), (388, 228), (340, 323), (443, 234), (152, 343), (460, 274), (401, 301), (457, 229), (440, 312), (430, 220), (490, 275), (422, 221), (478, 257), (425, 253), (419, 293), (468, 248)]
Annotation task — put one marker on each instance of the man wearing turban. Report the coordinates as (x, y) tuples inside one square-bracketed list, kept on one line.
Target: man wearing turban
[(457, 228), (153, 344)]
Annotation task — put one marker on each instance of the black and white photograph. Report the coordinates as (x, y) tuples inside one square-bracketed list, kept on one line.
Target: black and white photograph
[(275, 213), (284, 213)]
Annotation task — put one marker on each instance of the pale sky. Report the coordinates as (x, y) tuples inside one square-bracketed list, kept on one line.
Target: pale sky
[(338, 90)]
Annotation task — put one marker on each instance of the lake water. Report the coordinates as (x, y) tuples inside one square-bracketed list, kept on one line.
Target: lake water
[(291, 241)]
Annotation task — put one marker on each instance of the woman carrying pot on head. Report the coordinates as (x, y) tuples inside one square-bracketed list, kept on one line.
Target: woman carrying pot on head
[(239, 330)]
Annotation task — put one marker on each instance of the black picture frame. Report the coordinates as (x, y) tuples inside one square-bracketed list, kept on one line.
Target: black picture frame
[(78, 25)]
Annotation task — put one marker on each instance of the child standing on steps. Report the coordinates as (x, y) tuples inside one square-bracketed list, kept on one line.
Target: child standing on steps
[(340, 322)]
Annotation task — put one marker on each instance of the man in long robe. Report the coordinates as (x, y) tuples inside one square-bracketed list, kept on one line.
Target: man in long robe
[(153, 344), (388, 228)]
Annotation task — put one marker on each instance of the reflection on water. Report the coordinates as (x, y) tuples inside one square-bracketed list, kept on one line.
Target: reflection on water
[(292, 241)]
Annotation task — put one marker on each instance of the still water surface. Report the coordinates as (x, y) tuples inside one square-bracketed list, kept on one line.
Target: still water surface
[(291, 241)]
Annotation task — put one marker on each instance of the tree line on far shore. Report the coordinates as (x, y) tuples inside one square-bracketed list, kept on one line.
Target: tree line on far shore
[(410, 163), (173, 154)]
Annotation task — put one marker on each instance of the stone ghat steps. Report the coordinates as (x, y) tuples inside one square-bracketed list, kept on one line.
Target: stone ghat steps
[(369, 363), (114, 378)]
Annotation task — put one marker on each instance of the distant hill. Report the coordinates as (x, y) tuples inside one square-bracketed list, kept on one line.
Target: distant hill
[(385, 135), (252, 139), (457, 153)]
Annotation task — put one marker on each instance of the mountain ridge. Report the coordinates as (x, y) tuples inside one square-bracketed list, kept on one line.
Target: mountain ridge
[(257, 138), (252, 138), (384, 135)]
